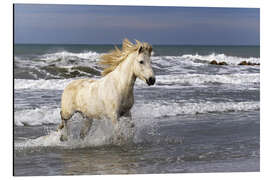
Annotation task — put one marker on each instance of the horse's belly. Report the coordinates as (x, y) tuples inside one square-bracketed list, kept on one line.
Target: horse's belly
[(88, 103)]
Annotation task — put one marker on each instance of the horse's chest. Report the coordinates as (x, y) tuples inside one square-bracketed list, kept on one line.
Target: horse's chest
[(126, 105)]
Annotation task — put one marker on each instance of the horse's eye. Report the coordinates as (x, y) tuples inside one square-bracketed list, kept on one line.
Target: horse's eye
[(141, 62)]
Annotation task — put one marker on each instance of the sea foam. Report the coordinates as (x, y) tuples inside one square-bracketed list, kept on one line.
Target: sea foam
[(47, 115), (89, 55), (60, 64), (232, 60), (161, 80)]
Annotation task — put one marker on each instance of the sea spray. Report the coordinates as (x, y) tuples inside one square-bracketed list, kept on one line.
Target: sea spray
[(103, 132)]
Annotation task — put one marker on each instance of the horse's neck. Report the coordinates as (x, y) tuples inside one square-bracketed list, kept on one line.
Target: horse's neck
[(125, 75)]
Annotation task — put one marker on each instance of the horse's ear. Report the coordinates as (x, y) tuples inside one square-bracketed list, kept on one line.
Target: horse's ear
[(140, 49)]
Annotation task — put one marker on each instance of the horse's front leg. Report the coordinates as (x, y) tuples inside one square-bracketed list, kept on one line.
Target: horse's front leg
[(129, 116), (130, 130), (114, 117)]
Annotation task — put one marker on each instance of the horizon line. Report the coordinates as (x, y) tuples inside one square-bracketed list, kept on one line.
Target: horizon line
[(151, 44)]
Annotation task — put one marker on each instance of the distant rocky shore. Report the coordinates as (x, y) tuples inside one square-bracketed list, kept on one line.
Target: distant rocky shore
[(245, 63)]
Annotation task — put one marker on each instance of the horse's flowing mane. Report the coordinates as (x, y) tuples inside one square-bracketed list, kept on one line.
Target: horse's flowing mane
[(111, 60)]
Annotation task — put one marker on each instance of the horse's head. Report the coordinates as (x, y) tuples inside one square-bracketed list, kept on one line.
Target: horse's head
[(142, 65)]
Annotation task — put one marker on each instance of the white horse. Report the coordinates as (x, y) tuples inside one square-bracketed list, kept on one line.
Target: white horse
[(112, 95)]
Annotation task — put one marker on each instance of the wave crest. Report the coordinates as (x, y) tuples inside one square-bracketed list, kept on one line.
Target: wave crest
[(161, 80), (45, 115), (232, 60), (87, 55), (66, 64)]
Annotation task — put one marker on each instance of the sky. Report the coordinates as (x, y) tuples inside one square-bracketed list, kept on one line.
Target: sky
[(88, 24)]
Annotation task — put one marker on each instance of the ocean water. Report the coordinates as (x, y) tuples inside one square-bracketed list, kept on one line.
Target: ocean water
[(198, 117)]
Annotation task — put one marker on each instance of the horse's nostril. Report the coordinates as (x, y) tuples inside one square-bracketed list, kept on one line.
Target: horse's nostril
[(152, 80)]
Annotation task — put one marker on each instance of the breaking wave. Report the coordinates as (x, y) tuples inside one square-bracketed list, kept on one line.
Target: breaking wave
[(232, 60), (66, 64), (164, 109), (161, 80), (46, 115), (62, 55)]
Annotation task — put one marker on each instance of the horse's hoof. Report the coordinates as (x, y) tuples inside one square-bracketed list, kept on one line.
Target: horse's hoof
[(82, 136), (132, 125), (63, 138)]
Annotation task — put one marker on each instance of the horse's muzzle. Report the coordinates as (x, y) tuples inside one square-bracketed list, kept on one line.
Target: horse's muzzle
[(151, 81)]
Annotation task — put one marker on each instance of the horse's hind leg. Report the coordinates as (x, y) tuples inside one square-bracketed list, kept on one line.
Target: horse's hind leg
[(65, 132), (61, 125), (86, 125)]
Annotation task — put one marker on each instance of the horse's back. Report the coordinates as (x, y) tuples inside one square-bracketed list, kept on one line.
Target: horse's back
[(75, 84)]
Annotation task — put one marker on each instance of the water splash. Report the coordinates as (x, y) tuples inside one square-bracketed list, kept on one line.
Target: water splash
[(102, 133)]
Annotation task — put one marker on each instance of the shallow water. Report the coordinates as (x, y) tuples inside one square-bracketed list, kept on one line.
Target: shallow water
[(201, 143), (197, 118)]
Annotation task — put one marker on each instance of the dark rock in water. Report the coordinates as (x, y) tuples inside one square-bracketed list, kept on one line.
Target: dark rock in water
[(248, 63), (243, 63), (222, 63), (214, 62)]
